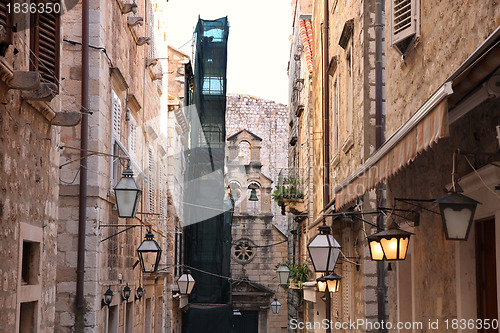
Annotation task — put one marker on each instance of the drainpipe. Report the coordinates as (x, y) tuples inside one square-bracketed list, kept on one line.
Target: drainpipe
[(379, 138), (82, 218), (326, 134)]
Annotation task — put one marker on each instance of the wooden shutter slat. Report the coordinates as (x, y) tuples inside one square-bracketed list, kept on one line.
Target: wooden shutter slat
[(44, 43)]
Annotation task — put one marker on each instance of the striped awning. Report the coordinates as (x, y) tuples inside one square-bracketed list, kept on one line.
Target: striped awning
[(305, 26), (421, 131)]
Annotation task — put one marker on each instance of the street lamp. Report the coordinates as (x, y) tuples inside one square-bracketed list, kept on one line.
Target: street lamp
[(321, 284), (149, 253), (324, 250), (457, 213), (275, 306), (391, 244), (283, 274), (127, 194), (186, 283), (108, 297), (333, 282), (126, 293), (139, 293)]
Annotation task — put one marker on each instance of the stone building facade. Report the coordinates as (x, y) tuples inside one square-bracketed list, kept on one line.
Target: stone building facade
[(267, 119), (176, 166), (126, 90), (438, 94), (300, 146), (29, 158), (349, 74), (257, 244), (257, 138)]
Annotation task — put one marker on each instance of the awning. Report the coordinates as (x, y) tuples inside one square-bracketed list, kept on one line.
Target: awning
[(425, 127), (421, 131)]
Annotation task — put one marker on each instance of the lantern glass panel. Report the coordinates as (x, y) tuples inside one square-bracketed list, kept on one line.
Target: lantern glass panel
[(275, 306), (321, 286), (127, 194), (324, 251), (457, 222), (376, 250), (333, 285), (390, 248), (403, 247), (186, 283), (149, 254), (283, 274), (149, 261)]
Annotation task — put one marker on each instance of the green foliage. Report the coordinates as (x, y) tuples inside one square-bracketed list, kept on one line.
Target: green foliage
[(289, 189), (298, 272)]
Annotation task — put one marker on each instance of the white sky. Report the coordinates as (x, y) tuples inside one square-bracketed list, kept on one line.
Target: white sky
[(258, 45)]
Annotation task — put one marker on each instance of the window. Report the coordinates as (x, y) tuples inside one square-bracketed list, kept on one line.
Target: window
[(405, 23), (129, 317), (30, 262), (161, 191), (244, 250), (116, 120), (29, 288), (335, 123), (113, 312), (349, 99), (132, 136), (28, 317), (212, 85), (6, 22), (244, 152), (44, 43), (116, 165), (151, 182), (147, 319)]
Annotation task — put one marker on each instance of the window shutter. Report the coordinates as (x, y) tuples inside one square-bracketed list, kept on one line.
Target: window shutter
[(151, 194), (405, 17), (132, 139), (151, 34), (6, 22), (117, 116), (44, 41), (161, 190)]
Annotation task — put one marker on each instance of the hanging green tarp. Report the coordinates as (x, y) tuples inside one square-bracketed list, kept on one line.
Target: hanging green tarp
[(207, 211)]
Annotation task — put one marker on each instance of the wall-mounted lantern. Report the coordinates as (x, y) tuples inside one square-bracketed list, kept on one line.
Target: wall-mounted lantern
[(126, 293), (107, 298), (127, 194), (139, 293), (324, 250), (391, 244), (283, 274), (149, 253), (275, 306), (333, 282), (186, 283), (457, 213)]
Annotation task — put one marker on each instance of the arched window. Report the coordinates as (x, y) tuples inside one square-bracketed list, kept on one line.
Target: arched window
[(253, 207), (244, 154), (236, 193)]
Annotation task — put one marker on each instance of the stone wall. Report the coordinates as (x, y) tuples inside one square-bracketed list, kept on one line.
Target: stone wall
[(452, 31), (29, 161), (268, 120), (433, 284), (352, 140), (111, 263)]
